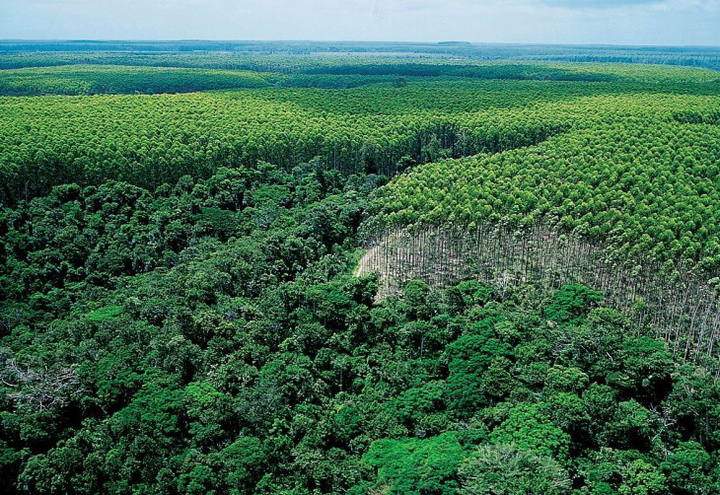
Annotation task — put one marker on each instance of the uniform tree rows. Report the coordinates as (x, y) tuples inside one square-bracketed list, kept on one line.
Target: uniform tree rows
[(83, 79), (120, 79), (646, 185), (149, 140)]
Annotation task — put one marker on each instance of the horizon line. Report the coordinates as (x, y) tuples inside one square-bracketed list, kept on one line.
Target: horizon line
[(407, 42)]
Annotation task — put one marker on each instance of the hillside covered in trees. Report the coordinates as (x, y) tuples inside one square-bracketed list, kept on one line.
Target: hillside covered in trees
[(187, 305)]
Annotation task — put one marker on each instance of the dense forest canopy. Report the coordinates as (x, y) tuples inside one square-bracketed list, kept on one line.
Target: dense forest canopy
[(180, 230)]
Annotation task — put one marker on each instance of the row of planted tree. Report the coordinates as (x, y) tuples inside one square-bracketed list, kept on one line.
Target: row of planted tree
[(149, 140), (679, 307), (148, 143)]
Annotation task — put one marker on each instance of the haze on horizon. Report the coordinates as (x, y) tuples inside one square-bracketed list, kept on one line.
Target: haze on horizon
[(637, 22)]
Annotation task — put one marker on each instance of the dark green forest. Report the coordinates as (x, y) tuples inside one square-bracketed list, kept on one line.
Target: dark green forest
[(208, 338), (180, 305)]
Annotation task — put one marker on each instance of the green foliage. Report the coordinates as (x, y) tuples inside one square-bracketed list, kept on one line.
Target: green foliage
[(105, 313), (688, 470), (528, 427), (572, 302), (508, 470), (449, 110), (627, 174), (413, 466), (474, 363), (99, 79), (625, 472), (206, 336)]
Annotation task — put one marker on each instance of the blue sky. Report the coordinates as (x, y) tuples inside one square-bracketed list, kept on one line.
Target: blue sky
[(658, 22)]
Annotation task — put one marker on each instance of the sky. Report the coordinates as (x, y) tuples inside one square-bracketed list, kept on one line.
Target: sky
[(645, 22)]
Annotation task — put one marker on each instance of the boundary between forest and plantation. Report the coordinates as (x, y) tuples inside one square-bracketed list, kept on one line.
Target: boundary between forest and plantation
[(682, 308)]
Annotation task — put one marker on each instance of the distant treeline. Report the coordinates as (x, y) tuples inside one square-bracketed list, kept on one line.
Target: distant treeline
[(504, 71), (84, 79), (708, 57), (90, 78)]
